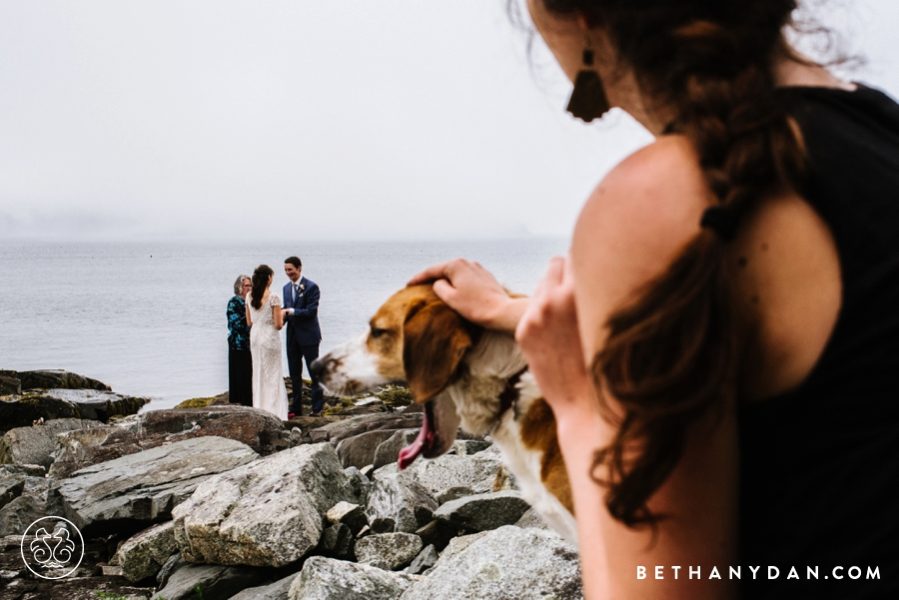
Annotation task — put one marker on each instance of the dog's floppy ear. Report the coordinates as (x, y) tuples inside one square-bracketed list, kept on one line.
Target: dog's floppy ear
[(435, 338)]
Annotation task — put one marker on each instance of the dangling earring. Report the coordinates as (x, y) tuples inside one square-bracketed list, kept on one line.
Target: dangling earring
[(588, 98)]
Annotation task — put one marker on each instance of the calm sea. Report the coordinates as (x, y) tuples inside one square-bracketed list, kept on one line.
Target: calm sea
[(149, 318)]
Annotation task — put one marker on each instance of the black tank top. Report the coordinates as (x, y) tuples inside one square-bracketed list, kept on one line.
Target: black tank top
[(820, 464)]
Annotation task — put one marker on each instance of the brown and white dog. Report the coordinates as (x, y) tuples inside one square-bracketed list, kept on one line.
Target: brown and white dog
[(464, 375)]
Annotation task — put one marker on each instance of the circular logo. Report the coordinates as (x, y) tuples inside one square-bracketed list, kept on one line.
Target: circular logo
[(50, 547)]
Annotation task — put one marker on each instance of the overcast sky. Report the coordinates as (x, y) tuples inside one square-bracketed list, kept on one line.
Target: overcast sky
[(224, 119)]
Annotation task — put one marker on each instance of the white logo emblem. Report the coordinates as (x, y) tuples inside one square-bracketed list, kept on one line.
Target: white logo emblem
[(50, 547)]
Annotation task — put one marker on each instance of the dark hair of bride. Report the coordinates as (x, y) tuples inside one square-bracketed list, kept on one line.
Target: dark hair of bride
[(260, 282), (673, 354)]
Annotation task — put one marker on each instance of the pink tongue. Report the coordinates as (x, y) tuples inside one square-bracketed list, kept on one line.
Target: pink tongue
[(425, 436)]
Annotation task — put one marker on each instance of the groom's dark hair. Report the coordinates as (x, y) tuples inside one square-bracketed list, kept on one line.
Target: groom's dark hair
[(294, 260)]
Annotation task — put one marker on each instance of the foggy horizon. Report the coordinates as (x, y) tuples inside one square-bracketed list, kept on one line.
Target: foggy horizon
[(230, 121)]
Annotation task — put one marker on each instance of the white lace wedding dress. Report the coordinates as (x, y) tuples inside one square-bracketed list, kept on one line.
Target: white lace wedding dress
[(269, 392)]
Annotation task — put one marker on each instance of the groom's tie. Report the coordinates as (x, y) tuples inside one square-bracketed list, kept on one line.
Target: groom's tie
[(296, 292)]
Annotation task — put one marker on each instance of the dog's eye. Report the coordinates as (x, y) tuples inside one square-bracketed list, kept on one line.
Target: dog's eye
[(377, 332)]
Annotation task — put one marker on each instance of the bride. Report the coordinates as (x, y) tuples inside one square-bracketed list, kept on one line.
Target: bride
[(266, 317)]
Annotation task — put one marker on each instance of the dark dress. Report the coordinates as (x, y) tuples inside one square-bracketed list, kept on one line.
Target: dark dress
[(820, 464), (240, 361)]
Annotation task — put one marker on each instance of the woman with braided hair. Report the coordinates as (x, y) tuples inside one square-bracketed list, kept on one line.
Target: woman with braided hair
[(720, 346)]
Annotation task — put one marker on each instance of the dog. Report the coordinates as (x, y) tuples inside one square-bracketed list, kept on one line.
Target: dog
[(463, 375)]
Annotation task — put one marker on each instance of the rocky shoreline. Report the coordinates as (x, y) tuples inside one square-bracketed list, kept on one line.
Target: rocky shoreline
[(211, 501)]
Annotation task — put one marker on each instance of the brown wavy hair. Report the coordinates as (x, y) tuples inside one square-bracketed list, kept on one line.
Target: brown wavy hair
[(674, 353), (260, 282)]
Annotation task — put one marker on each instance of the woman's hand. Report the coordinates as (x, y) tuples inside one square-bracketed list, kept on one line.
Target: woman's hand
[(549, 337), (472, 291)]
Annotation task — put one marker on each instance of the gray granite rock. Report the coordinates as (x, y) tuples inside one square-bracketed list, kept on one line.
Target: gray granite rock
[(258, 429), (146, 486), (532, 519), (22, 410), (34, 444), (484, 511), (390, 551), (477, 472), (209, 582), (340, 430), (59, 378), (11, 486), (350, 514), (337, 541), (426, 559), (359, 450), (266, 513), (387, 451), (143, 555), (469, 447), (398, 504), (509, 562), (273, 591), (329, 579)]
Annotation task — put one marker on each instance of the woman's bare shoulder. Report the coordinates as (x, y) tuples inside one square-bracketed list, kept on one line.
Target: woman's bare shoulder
[(638, 219)]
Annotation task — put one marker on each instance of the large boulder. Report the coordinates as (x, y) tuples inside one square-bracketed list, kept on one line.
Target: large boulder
[(359, 450), (387, 451), (481, 472), (208, 582), (508, 562), (330, 579), (23, 410), (27, 498), (59, 378), (34, 444), (484, 511), (398, 504), (258, 429), (11, 486), (390, 551), (142, 555), (268, 512), (346, 428), (143, 488)]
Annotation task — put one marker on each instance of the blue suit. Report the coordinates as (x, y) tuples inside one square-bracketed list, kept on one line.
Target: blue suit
[(303, 338)]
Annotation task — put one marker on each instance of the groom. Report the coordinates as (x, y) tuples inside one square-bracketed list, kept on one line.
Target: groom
[(303, 332)]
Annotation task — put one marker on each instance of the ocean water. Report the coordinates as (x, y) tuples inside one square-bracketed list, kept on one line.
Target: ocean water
[(149, 318)]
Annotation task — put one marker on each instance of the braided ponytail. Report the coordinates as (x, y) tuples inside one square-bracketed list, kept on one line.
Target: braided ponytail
[(674, 354)]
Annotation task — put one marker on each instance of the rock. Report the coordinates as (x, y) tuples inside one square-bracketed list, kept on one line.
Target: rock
[(337, 542), (483, 511), (390, 551), (426, 559), (266, 513), (59, 378), (350, 514), (11, 487), (34, 444), (469, 447), (508, 562), (143, 487), (330, 579), (209, 582), (9, 384), (31, 502), (437, 533), (387, 451), (454, 493), (143, 555), (360, 484), (359, 450), (395, 504), (532, 519), (73, 588), (173, 563), (273, 591), (22, 410), (345, 428), (258, 429), (205, 402), (477, 472)]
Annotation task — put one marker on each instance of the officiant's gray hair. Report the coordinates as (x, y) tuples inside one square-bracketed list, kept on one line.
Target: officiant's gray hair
[(238, 284)]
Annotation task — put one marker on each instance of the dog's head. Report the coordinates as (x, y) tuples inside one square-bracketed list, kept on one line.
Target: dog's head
[(413, 338)]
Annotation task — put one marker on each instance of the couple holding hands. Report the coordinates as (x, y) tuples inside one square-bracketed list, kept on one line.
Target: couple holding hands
[(265, 314)]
